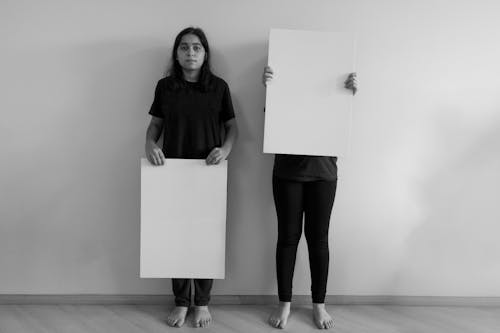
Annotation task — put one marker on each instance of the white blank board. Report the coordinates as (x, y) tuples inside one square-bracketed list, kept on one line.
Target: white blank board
[(308, 110), (183, 219)]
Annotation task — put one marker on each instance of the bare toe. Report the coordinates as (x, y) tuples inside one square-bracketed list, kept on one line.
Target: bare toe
[(280, 315), (177, 316)]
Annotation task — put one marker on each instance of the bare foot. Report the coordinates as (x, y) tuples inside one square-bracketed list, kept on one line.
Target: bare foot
[(177, 316), (321, 318), (202, 317), (279, 316)]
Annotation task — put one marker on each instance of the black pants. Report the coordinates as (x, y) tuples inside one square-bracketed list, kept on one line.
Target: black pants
[(182, 291), (293, 200)]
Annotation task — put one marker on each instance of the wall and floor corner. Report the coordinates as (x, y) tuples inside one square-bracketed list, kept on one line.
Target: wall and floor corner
[(416, 212)]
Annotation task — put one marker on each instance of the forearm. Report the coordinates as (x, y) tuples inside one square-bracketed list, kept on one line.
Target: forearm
[(153, 133), (231, 136)]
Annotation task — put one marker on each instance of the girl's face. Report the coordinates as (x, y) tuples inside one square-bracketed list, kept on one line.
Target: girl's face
[(190, 53)]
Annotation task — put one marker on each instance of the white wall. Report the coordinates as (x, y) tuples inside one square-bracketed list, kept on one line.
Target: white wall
[(416, 211)]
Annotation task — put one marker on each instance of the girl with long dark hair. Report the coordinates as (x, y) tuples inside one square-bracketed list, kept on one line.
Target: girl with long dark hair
[(191, 106)]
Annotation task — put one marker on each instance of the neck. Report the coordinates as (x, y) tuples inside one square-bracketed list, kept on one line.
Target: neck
[(191, 75)]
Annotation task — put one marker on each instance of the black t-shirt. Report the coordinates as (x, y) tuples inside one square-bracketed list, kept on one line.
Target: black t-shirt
[(193, 118), (305, 168)]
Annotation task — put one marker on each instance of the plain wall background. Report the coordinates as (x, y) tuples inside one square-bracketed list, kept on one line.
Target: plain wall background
[(417, 205)]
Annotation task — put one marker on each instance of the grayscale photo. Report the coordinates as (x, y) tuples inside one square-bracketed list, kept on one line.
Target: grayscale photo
[(250, 166)]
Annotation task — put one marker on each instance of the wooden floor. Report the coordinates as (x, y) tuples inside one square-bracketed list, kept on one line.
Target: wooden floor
[(246, 318)]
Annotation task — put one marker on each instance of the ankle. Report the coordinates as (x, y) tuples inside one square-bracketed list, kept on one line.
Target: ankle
[(318, 306), (181, 307), (201, 307), (285, 305)]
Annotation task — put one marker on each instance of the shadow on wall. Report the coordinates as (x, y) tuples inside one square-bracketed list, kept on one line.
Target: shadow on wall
[(460, 230), (250, 205)]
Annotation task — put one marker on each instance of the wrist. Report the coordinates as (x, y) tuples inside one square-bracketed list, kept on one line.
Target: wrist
[(226, 148)]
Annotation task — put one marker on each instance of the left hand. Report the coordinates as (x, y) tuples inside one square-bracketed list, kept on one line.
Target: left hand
[(267, 76), (351, 83), (217, 155)]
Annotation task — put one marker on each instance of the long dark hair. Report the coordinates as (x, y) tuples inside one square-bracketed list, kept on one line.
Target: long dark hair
[(175, 70)]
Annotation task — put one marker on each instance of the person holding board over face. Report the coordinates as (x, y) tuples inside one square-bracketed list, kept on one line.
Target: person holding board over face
[(190, 108), (303, 186)]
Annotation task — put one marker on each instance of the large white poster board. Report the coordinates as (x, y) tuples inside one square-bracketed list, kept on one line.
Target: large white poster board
[(308, 110), (183, 219)]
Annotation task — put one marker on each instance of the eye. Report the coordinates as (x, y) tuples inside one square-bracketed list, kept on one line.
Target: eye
[(197, 48), (183, 48)]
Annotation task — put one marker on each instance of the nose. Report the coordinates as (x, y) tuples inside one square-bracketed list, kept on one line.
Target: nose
[(190, 51)]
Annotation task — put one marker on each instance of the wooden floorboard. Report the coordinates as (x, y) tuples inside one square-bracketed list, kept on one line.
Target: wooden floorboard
[(81, 318)]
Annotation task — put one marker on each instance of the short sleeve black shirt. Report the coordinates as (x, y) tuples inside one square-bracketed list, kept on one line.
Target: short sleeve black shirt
[(305, 168), (193, 118)]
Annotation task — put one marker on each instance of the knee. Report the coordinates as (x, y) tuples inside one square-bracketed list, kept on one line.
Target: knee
[(288, 240), (317, 242)]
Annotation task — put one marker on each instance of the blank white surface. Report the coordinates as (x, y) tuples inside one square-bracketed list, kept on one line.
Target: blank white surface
[(308, 110), (183, 219)]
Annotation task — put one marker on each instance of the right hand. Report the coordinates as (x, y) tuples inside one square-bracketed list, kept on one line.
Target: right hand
[(154, 153), (267, 76)]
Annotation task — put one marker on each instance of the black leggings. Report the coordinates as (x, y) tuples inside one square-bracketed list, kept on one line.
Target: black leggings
[(293, 200)]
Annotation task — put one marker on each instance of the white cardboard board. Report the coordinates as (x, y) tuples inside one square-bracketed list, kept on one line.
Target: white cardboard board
[(183, 219), (308, 110)]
